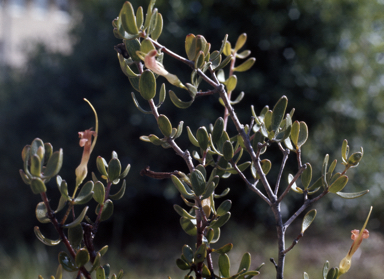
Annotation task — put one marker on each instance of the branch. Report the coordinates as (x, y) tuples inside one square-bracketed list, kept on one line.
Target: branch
[(293, 243), (305, 205), (60, 231), (285, 158), (185, 61), (250, 185), (247, 143), (300, 171)]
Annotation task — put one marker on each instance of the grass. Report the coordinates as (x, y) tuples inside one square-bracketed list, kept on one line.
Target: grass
[(142, 260)]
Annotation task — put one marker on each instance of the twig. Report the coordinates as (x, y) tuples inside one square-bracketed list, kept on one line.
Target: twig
[(285, 158), (293, 243)]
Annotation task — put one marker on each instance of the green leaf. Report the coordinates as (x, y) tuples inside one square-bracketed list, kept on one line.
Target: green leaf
[(188, 226), (149, 14), (37, 185), (103, 250), (59, 272), (223, 194), (224, 207), (224, 265), (200, 59), (306, 176), (231, 83), (77, 220), (99, 192), (240, 41), (155, 34), (182, 212), (139, 17), (165, 125), (132, 47), (54, 164), (224, 63), (225, 249), (218, 130), (146, 46), (41, 213), (190, 46), (355, 158), (332, 273), (153, 21), (61, 205), (325, 269), (114, 170), (162, 95), (125, 172), (96, 262), (82, 257), (201, 253), (202, 138), (66, 262), (136, 102), (75, 236), (246, 65), (100, 273), (295, 130), (344, 151), (182, 264), (209, 190), (228, 151), (238, 99), (339, 184), (294, 186), (42, 238), (198, 182), (35, 145), (120, 193), (266, 166), (85, 194), (220, 221), (308, 219), (303, 135), (35, 166), (278, 113), (181, 187), (128, 19), (179, 103), (187, 253), (244, 54), (101, 165), (107, 210), (352, 195), (245, 262), (147, 85)]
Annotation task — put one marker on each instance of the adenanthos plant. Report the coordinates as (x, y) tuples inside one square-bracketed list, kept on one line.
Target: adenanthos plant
[(41, 164), (214, 155), (217, 155)]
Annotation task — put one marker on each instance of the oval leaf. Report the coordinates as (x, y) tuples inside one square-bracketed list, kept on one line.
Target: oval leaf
[(308, 219), (339, 184), (246, 65), (82, 257), (147, 85)]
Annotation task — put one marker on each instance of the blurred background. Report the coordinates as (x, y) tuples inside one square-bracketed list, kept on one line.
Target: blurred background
[(326, 56)]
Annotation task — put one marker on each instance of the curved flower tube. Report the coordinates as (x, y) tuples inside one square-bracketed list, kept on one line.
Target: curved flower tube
[(86, 142), (357, 237), (151, 63)]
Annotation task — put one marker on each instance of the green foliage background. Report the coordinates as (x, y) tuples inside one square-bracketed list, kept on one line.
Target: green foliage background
[(326, 56)]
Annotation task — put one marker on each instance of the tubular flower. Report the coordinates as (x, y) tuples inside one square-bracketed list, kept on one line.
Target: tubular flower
[(357, 237), (86, 142), (155, 66), (88, 145)]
